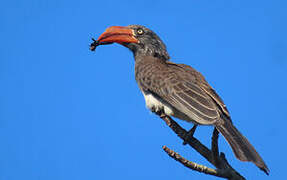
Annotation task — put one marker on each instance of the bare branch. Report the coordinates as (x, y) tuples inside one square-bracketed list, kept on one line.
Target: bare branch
[(224, 170), (193, 142), (193, 165), (214, 149)]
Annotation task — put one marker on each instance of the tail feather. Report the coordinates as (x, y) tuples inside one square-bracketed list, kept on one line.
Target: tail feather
[(241, 147)]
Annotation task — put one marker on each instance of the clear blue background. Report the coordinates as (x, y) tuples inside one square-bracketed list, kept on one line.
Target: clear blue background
[(69, 113)]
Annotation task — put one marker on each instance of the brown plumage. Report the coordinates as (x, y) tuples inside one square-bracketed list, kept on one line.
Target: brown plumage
[(177, 89)]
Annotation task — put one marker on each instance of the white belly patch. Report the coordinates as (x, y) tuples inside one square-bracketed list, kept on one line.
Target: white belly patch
[(156, 105)]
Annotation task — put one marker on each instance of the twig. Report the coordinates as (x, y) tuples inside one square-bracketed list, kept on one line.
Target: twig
[(193, 165)]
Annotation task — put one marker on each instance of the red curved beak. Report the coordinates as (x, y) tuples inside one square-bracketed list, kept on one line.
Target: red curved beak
[(118, 34)]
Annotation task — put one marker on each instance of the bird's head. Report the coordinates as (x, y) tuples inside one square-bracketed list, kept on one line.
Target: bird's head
[(139, 39)]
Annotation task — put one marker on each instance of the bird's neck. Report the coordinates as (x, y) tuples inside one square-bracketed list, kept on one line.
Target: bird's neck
[(140, 51), (139, 56), (147, 59), (145, 63)]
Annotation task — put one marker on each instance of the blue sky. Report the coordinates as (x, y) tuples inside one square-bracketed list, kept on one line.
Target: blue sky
[(69, 113)]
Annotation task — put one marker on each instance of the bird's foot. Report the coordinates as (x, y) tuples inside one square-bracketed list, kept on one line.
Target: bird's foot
[(189, 134), (160, 113)]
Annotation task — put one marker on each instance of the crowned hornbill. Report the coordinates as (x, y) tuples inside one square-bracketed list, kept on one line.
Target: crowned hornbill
[(177, 89)]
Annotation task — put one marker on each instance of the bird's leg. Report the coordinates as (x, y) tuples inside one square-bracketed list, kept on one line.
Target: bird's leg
[(189, 134)]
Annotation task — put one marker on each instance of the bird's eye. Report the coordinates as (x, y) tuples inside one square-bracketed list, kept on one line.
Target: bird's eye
[(140, 31)]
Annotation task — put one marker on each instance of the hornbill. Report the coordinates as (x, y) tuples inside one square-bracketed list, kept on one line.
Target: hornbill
[(177, 89)]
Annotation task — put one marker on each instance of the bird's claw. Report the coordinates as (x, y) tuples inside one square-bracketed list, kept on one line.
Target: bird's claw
[(158, 112)]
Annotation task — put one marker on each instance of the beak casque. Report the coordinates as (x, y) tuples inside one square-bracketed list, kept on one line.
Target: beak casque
[(118, 34)]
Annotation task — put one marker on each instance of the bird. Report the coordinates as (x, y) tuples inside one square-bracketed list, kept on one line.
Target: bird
[(177, 90)]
